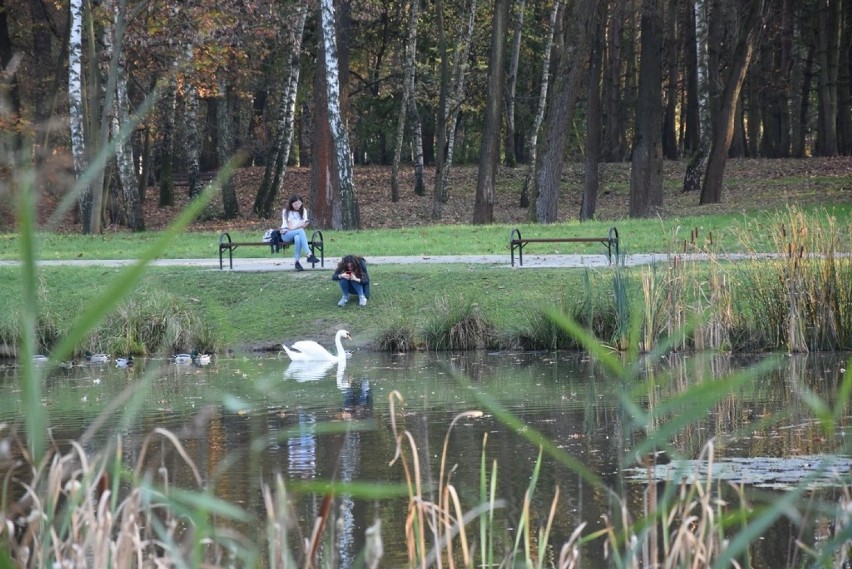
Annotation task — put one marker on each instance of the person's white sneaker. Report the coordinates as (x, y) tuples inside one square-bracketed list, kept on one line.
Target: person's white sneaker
[(343, 301), (362, 300)]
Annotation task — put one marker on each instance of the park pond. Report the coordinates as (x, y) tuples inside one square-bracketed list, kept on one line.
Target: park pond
[(243, 420)]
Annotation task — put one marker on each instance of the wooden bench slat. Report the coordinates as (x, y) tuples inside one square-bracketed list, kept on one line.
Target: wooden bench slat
[(516, 242)]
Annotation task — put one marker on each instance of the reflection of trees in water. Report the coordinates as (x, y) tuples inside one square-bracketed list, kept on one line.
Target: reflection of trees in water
[(766, 415)]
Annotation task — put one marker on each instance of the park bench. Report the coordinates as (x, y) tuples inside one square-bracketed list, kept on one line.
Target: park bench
[(182, 179), (516, 242), (226, 244)]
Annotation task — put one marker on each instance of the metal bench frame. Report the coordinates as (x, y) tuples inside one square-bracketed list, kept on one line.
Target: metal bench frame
[(516, 242), (226, 244)]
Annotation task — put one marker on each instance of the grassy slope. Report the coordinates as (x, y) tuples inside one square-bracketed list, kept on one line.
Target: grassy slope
[(264, 309)]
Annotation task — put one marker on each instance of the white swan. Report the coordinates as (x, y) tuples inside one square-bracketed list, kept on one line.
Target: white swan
[(308, 350)]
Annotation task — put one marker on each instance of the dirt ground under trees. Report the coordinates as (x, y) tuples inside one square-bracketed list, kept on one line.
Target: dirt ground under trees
[(749, 185)]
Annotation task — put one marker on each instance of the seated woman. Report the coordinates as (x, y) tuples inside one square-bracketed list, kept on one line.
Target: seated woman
[(294, 220), (351, 274)]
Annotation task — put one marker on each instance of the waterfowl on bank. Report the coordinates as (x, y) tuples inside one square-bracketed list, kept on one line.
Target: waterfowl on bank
[(308, 350), (97, 358)]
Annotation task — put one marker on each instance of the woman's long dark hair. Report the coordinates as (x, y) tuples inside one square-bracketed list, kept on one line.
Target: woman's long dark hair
[(354, 261), (296, 198)]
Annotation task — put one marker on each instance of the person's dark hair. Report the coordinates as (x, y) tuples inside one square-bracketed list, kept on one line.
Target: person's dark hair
[(296, 198), (348, 260)]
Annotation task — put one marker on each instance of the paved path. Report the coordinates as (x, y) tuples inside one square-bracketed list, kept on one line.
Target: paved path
[(260, 264)]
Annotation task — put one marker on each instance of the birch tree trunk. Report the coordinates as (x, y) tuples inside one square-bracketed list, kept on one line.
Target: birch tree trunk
[(192, 130), (406, 103), (441, 114), (489, 157), (279, 153), (119, 127), (698, 161), (340, 137), (560, 111), (512, 85), (167, 150), (447, 122), (542, 105), (76, 113)]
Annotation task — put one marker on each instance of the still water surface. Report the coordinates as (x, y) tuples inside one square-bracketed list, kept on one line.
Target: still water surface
[(333, 421)]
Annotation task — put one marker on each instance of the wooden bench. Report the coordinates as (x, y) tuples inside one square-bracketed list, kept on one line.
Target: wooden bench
[(182, 180), (226, 244), (516, 242)]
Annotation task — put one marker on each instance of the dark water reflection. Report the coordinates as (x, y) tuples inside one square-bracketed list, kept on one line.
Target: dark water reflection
[(334, 422)]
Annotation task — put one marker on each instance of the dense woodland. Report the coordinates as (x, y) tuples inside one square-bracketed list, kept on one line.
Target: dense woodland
[(108, 99)]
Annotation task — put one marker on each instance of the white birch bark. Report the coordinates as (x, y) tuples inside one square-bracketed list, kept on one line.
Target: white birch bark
[(407, 93), (119, 121), (460, 65), (192, 129), (292, 90), (542, 104), (342, 155), (512, 83), (698, 163), (75, 110)]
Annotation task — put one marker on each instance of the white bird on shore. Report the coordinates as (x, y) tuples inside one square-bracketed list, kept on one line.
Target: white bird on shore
[(308, 350)]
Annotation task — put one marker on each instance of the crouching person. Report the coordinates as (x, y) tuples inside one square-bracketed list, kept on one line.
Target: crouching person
[(351, 274)]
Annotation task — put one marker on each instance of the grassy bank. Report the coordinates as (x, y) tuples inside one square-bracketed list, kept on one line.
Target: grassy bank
[(729, 232), (800, 301)]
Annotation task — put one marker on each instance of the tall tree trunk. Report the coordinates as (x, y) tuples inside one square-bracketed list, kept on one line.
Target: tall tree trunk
[(455, 96), (670, 56), (613, 149), (224, 148), (594, 124), (692, 133), (350, 218), (279, 152), (9, 94), (844, 85), (723, 124), (646, 172), (406, 103), (120, 127), (512, 84), (561, 111), (698, 161), (76, 112), (829, 17), (524, 200), (489, 157), (441, 112), (167, 150), (802, 77)]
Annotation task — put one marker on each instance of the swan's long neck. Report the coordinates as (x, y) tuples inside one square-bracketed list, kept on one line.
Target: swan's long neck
[(341, 355)]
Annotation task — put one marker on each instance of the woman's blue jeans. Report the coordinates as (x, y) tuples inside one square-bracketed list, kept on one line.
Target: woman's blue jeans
[(348, 287), (299, 239)]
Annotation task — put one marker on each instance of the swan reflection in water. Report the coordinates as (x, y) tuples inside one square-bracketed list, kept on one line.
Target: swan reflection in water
[(310, 370), (302, 446)]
